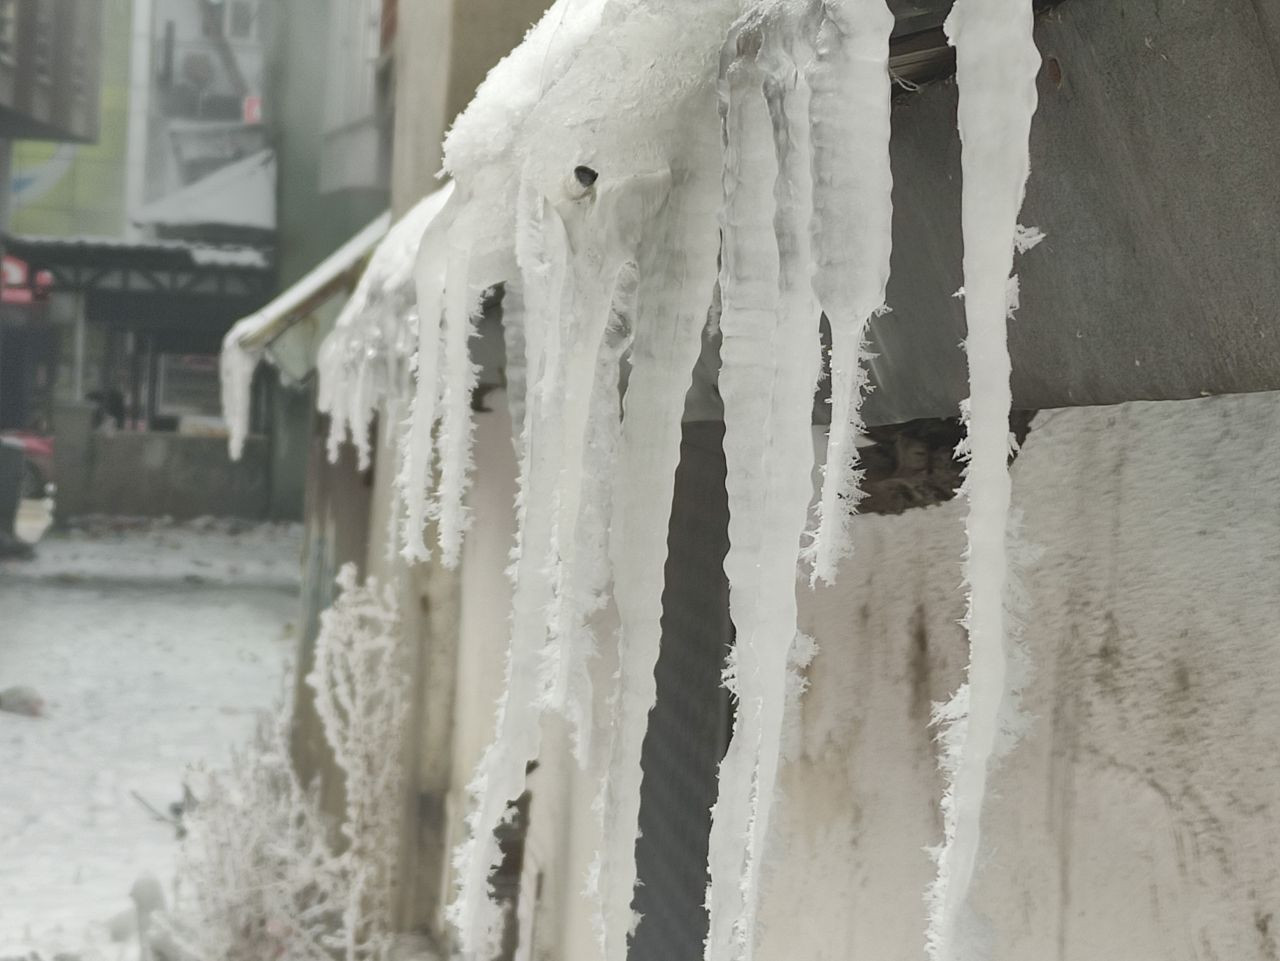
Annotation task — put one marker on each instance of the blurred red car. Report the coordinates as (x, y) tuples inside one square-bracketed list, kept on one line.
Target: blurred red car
[(37, 452)]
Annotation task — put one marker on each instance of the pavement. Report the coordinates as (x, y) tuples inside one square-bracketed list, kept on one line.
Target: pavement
[(153, 646)]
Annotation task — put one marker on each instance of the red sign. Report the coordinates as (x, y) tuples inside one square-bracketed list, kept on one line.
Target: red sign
[(251, 110), (15, 281)]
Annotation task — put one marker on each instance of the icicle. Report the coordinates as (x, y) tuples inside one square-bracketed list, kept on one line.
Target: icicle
[(602, 233), (394, 433), (458, 383), (769, 367), (568, 244), (235, 369), (996, 61), (414, 476), (583, 577), (513, 339), (852, 233), (364, 361), (677, 277), (542, 249), (598, 231)]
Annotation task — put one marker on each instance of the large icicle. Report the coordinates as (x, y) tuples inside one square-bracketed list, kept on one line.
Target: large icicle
[(996, 63), (603, 227), (769, 366), (678, 268), (499, 779), (852, 233), (583, 577), (415, 475), (482, 154), (593, 234)]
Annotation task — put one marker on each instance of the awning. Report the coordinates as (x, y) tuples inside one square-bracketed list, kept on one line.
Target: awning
[(241, 194), (247, 342)]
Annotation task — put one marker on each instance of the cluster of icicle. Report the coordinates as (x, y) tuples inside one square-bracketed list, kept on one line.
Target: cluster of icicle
[(630, 159), (363, 365)]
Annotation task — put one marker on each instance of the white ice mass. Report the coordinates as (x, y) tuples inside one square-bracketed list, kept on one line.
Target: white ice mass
[(996, 66), (628, 163)]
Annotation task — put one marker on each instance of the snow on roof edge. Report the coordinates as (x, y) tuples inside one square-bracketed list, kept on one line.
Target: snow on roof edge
[(255, 331), (246, 342)]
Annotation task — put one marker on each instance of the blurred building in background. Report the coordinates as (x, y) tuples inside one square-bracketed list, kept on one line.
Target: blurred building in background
[(148, 242), (49, 92)]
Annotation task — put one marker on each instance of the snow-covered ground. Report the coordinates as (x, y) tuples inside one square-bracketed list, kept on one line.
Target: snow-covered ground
[(154, 647)]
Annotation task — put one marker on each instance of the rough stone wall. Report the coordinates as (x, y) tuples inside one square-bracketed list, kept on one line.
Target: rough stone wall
[(1136, 821)]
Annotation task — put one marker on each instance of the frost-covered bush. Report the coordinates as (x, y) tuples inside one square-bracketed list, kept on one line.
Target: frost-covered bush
[(266, 873), (361, 696)]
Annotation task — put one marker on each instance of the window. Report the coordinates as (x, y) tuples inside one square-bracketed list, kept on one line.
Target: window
[(240, 16), (211, 15), (8, 29), (354, 39), (79, 71), (353, 154), (44, 45)]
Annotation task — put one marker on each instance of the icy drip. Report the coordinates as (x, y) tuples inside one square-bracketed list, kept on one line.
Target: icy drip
[(852, 234), (499, 779), (678, 268), (603, 229), (513, 340), (769, 366), (415, 475), (363, 364), (573, 252), (583, 574), (395, 431), (459, 382), (996, 62), (235, 370)]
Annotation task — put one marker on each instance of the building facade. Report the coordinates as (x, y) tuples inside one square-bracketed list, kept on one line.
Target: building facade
[(50, 54)]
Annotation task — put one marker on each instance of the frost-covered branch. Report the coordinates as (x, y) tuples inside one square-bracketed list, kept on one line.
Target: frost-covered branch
[(265, 873)]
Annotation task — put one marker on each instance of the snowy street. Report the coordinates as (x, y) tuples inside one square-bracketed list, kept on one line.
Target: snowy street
[(153, 648)]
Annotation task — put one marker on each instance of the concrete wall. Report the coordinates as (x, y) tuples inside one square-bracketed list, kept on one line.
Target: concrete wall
[(161, 474), (1136, 820)]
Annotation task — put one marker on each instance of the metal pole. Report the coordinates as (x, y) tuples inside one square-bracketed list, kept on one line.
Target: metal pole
[(77, 375)]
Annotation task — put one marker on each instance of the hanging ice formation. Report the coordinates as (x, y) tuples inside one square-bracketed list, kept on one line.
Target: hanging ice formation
[(363, 364), (996, 65), (594, 183), (848, 78)]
